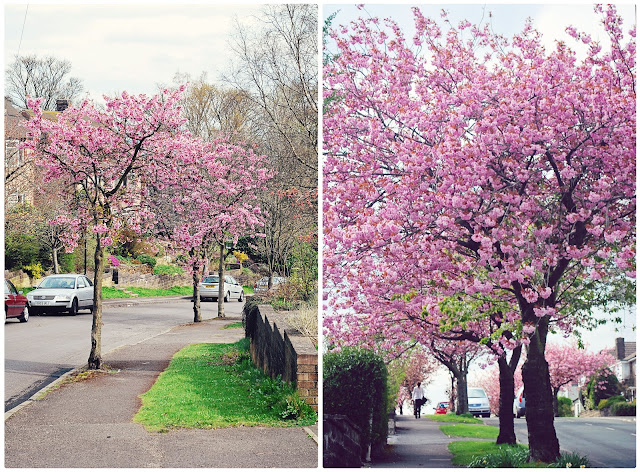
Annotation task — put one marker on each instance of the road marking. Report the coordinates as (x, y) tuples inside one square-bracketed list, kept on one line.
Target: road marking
[(611, 429), (589, 424), (633, 434)]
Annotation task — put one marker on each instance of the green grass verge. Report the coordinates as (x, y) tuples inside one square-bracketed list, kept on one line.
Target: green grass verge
[(237, 325), (453, 418), (464, 452), (247, 290), (470, 431), (111, 292), (215, 386)]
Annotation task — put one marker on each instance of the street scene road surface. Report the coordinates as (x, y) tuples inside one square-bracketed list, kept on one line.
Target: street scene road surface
[(606, 442), (48, 346)]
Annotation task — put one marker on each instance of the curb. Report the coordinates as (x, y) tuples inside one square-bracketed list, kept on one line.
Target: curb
[(35, 396), (311, 433)]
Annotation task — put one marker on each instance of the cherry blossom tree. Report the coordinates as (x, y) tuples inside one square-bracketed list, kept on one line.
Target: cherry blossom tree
[(470, 163), (568, 364), (108, 156), (212, 200)]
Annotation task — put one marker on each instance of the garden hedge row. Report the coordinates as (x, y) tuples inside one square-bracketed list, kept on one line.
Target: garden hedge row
[(355, 385)]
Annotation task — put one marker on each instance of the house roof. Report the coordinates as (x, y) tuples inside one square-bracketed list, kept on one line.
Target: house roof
[(629, 349)]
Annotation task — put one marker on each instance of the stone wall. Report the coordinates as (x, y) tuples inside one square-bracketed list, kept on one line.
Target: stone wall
[(340, 442), (279, 349)]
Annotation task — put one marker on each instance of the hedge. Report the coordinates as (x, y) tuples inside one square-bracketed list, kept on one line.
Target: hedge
[(623, 409), (610, 401), (355, 385)]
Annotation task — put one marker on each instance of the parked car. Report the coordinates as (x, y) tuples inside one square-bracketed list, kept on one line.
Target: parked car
[(478, 402), (16, 304), (232, 289), (62, 292), (519, 403), (441, 408), (262, 285)]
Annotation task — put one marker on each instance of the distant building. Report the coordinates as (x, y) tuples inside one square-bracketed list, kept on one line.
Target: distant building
[(625, 365)]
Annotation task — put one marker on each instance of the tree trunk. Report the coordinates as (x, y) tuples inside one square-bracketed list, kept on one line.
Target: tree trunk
[(221, 283), (507, 434), (462, 404), (197, 313), (543, 442), (95, 356), (54, 256), (556, 413)]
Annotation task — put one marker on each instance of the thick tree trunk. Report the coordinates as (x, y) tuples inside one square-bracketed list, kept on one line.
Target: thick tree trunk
[(507, 434), (462, 403), (556, 413), (221, 283), (543, 442), (197, 313), (95, 356)]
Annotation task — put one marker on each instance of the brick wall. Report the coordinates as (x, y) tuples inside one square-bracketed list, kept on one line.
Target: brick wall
[(340, 442), (279, 349)]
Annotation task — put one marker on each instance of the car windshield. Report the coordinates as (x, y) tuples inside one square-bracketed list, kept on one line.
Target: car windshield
[(476, 393), (212, 279), (58, 282)]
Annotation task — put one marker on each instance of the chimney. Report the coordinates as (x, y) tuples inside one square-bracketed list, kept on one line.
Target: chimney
[(62, 105), (619, 348)]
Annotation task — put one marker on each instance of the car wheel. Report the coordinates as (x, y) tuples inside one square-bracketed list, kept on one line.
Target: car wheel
[(25, 315), (241, 297), (226, 297), (73, 311)]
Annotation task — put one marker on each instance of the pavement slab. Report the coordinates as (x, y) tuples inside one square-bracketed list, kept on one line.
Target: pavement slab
[(417, 443), (89, 423)]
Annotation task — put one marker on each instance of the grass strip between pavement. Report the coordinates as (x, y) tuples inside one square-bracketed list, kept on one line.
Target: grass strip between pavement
[(453, 418), (215, 386), (470, 431), (464, 452)]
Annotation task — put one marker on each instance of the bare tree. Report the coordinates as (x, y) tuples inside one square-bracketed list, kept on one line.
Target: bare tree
[(47, 78), (276, 68)]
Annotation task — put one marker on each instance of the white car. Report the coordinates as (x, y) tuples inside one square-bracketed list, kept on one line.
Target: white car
[(262, 285), (62, 292), (232, 289), (478, 402)]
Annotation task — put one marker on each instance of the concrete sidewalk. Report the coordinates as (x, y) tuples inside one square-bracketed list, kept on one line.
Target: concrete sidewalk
[(89, 423), (417, 443)]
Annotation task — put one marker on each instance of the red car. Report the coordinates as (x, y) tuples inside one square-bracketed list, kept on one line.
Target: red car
[(15, 304), (441, 408)]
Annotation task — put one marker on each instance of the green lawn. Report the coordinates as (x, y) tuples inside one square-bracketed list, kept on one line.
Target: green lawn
[(453, 418), (465, 451), (215, 386), (111, 292), (470, 431)]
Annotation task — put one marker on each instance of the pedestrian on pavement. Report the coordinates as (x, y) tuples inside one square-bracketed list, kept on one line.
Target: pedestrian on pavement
[(418, 399)]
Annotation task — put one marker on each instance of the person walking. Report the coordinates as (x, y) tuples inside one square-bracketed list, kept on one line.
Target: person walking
[(418, 399)]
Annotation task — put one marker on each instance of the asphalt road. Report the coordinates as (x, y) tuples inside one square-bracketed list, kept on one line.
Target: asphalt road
[(47, 346), (606, 442)]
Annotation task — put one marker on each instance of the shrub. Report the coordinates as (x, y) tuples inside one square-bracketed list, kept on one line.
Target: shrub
[(505, 457), (602, 386), (146, 259), (610, 401), (162, 269), (355, 385), (570, 460), (20, 250), (35, 270), (623, 409), (565, 406)]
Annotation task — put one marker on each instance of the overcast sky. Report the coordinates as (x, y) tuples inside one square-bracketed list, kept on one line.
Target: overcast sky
[(120, 47)]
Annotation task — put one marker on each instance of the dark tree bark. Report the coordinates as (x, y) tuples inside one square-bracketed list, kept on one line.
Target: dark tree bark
[(507, 434), (543, 442), (95, 356), (197, 313), (221, 283)]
